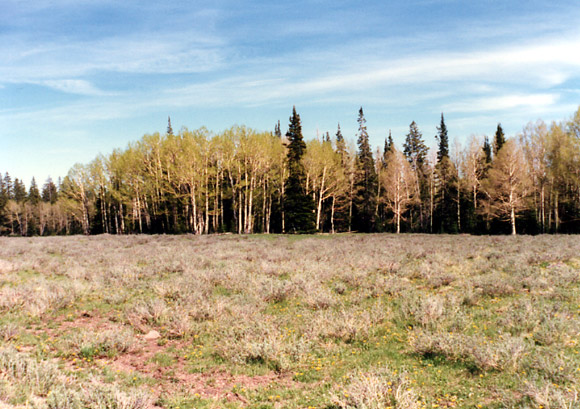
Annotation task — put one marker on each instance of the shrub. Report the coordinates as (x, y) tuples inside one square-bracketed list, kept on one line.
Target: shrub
[(90, 344), (40, 377), (378, 389), (545, 395), (474, 351)]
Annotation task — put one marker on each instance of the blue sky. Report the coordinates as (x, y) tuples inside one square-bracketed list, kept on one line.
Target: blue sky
[(80, 77)]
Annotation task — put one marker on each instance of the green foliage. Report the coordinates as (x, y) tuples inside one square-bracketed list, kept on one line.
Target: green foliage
[(244, 181), (365, 180), (298, 206), (487, 150), (498, 140), (49, 192), (33, 193), (443, 139), (415, 149)]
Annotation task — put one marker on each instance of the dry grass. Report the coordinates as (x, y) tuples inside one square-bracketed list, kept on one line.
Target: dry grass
[(407, 321)]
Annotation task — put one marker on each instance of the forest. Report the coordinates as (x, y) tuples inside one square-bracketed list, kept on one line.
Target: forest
[(246, 181)]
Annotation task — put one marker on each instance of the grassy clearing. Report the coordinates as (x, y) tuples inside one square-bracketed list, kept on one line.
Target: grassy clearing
[(331, 322)]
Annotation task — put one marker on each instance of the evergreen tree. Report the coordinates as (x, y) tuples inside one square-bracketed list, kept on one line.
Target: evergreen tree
[(487, 150), (366, 180), (343, 203), (277, 130), (299, 206), (169, 128), (49, 192), (19, 191), (33, 193), (8, 185), (389, 146), (446, 181), (3, 201), (416, 151), (499, 140), (340, 143), (4, 194), (443, 139)]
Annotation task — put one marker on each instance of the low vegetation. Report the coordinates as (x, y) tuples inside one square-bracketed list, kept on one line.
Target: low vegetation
[(326, 321)]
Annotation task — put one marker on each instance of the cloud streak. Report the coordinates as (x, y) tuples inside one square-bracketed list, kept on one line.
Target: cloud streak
[(80, 87)]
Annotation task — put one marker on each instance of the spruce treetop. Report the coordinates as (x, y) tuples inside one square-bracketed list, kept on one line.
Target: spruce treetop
[(414, 147), (296, 146), (339, 137), (33, 192), (363, 137), (443, 139), (487, 150), (389, 147), (499, 139), (365, 155)]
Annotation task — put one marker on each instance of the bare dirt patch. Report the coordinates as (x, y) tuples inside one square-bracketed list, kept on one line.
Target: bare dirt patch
[(216, 383)]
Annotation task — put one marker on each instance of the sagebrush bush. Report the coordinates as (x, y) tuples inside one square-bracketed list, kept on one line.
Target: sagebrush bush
[(377, 389), (40, 377), (93, 344), (475, 352), (544, 394)]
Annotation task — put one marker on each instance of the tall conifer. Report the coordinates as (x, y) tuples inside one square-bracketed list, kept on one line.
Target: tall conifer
[(416, 151), (446, 181), (299, 206), (33, 193), (366, 179), (443, 139), (19, 191), (49, 191), (487, 150), (389, 146), (499, 139)]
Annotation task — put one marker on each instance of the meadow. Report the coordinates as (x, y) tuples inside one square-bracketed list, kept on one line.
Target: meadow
[(266, 321)]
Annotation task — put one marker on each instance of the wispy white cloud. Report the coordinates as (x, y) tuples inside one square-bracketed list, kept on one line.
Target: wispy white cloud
[(73, 86), (151, 55), (534, 66), (504, 102)]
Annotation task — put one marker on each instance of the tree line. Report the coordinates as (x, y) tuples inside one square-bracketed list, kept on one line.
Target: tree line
[(245, 181)]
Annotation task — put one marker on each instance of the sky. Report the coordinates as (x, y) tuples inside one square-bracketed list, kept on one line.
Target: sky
[(83, 77)]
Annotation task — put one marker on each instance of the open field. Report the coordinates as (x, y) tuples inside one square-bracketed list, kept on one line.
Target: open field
[(345, 321)]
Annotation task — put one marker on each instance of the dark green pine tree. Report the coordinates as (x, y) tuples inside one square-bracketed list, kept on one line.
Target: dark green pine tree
[(343, 202), (277, 130), (9, 186), (416, 151), (33, 193), (389, 146), (499, 140), (487, 150), (340, 145), (446, 193), (298, 206), (443, 139), (169, 128), (19, 191), (365, 180), (4, 197), (49, 192)]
